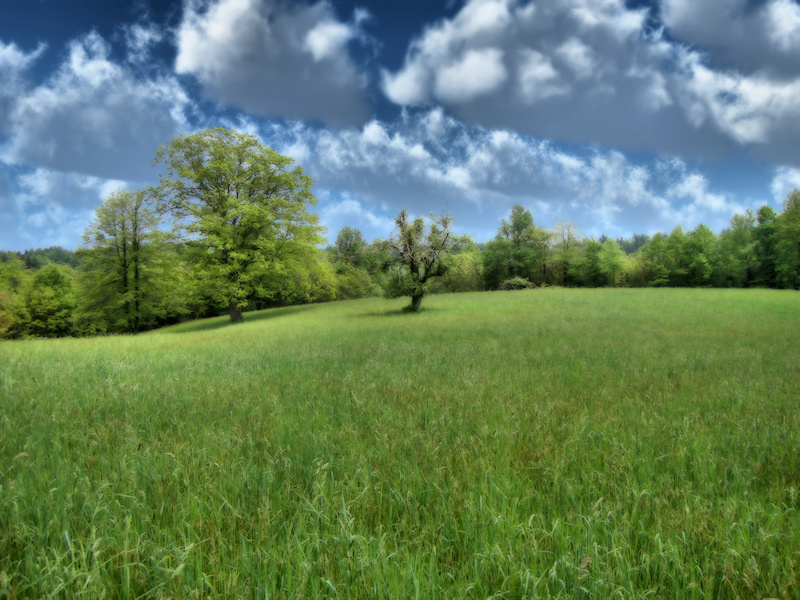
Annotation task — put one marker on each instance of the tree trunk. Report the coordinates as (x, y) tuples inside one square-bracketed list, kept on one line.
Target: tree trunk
[(235, 311), (416, 301)]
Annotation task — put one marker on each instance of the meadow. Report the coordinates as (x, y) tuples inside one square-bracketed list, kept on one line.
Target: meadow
[(592, 443)]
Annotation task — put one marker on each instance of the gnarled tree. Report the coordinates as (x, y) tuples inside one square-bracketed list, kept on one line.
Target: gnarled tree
[(418, 253)]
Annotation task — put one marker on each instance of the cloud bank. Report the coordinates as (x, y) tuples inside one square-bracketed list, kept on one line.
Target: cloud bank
[(594, 72), (275, 59), (95, 117)]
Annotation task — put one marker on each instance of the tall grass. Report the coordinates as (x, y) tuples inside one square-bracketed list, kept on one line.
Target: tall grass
[(537, 444)]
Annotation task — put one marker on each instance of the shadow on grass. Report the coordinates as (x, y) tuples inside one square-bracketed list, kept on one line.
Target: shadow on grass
[(249, 317), (400, 312)]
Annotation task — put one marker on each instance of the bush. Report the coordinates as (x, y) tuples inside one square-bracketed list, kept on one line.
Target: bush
[(516, 283)]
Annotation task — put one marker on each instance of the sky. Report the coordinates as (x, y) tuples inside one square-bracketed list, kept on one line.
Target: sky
[(621, 116)]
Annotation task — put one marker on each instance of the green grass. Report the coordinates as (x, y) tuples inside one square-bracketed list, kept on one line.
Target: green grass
[(537, 444)]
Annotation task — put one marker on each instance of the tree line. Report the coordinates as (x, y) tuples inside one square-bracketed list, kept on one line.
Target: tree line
[(229, 229)]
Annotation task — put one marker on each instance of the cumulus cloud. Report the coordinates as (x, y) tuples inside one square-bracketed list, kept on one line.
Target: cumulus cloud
[(93, 116), (428, 161), (739, 34), (274, 59), (49, 208), (596, 72), (14, 63), (139, 41), (785, 181)]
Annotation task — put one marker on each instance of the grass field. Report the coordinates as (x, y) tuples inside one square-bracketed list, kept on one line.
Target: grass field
[(538, 444)]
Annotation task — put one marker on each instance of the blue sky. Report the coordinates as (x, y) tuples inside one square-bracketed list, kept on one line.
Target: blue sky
[(622, 117)]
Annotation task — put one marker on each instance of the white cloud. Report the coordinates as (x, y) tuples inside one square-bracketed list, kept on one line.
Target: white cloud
[(427, 161), (538, 78), (474, 74), (95, 117), (783, 25), (274, 59), (139, 39), (48, 208), (785, 181), (747, 36), (327, 40), (337, 210), (589, 71), (14, 64)]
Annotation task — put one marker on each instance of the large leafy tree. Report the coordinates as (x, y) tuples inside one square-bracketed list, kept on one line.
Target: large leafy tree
[(244, 208), (125, 277), (417, 253)]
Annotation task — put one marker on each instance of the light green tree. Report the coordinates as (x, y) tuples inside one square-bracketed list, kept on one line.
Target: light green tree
[(47, 306), (243, 207), (125, 276), (612, 262)]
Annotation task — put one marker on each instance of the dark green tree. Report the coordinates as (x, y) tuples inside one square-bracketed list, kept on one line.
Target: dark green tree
[(700, 247), (765, 241), (349, 247), (520, 249), (590, 268)]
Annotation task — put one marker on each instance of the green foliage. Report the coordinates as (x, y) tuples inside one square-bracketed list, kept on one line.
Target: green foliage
[(464, 273), (245, 208), (678, 258), (350, 247), (787, 243), (565, 254), (520, 249), (612, 262), (736, 261), (634, 243), (417, 253), (701, 247), (129, 271), (37, 258), (46, 306), (765, 240), (590, 266), (352, 282)]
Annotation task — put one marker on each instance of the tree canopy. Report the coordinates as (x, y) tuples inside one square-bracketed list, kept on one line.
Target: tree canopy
[(244, 209)]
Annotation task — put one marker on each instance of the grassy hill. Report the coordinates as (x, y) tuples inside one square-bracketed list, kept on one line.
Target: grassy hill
[(548, 443)]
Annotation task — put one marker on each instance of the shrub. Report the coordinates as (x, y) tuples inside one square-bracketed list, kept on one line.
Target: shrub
[(516, 283)]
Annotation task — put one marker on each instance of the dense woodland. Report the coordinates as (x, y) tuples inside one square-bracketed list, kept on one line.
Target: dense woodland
[(159, 256)]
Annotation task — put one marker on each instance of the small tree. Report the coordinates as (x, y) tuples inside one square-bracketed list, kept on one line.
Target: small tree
[(47, 307), (612, 261), (417, 253)]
